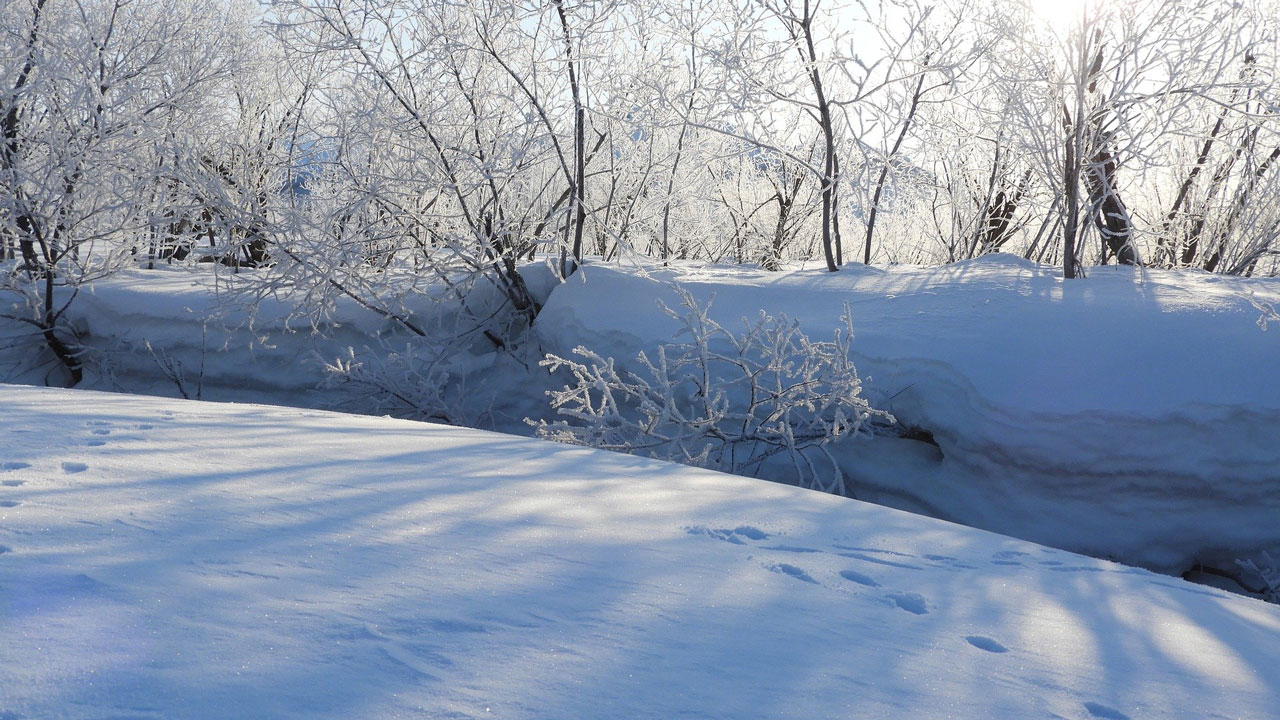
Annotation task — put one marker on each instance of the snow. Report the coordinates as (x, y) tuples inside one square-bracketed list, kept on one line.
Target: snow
[(166, 559), (247, 338), (1132, 415)]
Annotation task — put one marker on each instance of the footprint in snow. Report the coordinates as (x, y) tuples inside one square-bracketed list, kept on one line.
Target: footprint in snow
[(13, 483), (878, 551), (949, 561), (74, 467), (13, 465), (790, 549), (1099, 710), (96, 443), (911, 602), (985, 643), (857, 577), (878, 561), (9, 503), (1008, 557), (734, 536), (4, 549), (792, 571)]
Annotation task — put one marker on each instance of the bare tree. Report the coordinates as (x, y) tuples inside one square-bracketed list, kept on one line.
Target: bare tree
[(95, 84)]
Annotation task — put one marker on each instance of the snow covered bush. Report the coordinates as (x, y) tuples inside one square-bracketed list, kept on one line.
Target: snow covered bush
[(1270, 313), (1268, 573), (411, 381), (766, 401)]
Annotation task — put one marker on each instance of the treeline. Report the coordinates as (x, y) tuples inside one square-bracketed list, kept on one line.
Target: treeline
[(371, 149)]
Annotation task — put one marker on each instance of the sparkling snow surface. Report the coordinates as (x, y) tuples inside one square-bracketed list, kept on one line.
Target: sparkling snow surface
[(165, 559)]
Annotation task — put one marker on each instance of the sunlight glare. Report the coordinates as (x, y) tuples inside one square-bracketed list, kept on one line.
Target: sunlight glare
[(1061, 14)]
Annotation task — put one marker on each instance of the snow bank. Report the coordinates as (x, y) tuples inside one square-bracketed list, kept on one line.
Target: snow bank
[(1133, 415), (166, 559), (222, 336), (200, 324)]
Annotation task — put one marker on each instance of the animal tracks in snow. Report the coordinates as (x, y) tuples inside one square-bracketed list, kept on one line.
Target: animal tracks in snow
[(737, 536), (791, 549), (857, 577), (1099, 710), (793, 571), (911, 602), (983, 642), (101, 430), (879, 561), (1009, 557)]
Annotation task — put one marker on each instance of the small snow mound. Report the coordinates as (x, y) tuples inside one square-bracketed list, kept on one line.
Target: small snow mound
[(1002, 260), (913, 603)]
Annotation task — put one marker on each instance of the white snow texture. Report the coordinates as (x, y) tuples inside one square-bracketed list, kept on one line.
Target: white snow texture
[(170, 559)]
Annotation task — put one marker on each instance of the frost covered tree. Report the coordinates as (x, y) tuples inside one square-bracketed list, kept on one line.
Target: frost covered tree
[(92, 91), (1101, 101)]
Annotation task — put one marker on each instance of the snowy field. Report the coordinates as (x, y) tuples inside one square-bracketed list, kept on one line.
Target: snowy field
[(167, 559)]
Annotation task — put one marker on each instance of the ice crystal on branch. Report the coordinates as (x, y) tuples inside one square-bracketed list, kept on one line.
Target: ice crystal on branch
[(765, 401)]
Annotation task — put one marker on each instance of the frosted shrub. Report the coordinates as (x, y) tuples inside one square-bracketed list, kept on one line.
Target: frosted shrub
[(1268, 572), (409, 382), (766, 401), (1270, 313)]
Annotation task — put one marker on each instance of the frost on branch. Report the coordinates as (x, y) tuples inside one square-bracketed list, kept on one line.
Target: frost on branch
[(408, 382), (1268, 572), (1270, 313), (766, 401)]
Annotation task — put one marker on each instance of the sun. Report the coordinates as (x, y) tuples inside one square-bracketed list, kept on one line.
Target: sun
[(1062, 15)]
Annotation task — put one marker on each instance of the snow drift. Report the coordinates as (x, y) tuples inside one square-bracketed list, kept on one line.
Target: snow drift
[(204, 333), (1133, 415)]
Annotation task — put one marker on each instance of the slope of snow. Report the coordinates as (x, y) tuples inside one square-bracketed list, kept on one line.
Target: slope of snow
[(225, 337), (1132, 415), (199, 323), (166, 559)]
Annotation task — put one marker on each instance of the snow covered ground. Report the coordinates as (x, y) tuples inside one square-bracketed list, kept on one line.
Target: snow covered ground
[(1132, 415), (166, 559)]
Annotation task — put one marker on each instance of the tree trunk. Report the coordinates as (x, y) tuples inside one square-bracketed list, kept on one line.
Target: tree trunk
[(1110, 213)]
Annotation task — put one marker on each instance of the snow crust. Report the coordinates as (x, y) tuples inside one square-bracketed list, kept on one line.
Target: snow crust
[(167, 559), (1133, 415)]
